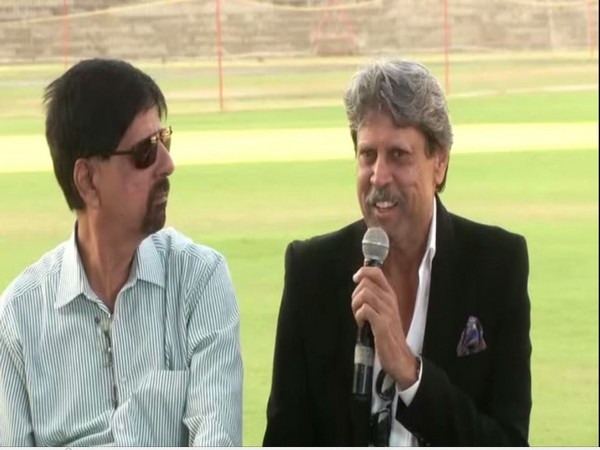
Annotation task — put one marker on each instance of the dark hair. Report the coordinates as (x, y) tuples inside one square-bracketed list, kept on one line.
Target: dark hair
[(406, 91), (88, 110)]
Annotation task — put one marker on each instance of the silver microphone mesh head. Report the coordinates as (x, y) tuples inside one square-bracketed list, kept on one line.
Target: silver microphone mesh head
[(375, 245)]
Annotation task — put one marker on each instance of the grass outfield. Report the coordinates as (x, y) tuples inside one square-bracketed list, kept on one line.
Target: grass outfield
[(250, 211), (236, 209)]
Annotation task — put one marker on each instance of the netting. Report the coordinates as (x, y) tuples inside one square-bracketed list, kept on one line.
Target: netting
[(171, 30)]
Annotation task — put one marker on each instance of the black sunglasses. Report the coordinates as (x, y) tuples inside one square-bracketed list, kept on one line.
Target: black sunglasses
[(144, 152)]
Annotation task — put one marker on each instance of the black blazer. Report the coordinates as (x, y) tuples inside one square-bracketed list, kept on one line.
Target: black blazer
[(479, 399)]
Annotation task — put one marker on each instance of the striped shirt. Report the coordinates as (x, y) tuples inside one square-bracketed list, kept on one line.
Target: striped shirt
[(164, 369)]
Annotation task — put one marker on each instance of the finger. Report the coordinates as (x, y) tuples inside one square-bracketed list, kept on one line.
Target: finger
[(364, 271), (365, 284), (369, 283), (367, 292), (362, 295), (365, 314), (375, 274), (386, 317), (383, 329)]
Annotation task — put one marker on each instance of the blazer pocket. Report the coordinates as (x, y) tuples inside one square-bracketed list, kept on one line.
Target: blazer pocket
[(473, 373), (158, 406), (473, 361)]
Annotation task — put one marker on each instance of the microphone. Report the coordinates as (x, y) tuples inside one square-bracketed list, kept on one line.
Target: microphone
[(375, 246)]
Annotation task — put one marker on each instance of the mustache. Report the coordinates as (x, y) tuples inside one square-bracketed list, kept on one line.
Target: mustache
[(377, 195), (162, 186)]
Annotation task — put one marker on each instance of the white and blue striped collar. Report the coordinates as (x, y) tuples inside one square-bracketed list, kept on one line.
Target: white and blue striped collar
[(147, 266)]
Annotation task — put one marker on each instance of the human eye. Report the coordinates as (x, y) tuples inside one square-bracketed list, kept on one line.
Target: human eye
[(399, 154), (367, 155)]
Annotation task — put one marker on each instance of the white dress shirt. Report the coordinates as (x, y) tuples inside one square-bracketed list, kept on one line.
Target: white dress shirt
[(400, 436), (163, 370)]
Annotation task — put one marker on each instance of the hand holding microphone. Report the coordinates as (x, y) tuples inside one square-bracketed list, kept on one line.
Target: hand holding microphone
[(375, 246)]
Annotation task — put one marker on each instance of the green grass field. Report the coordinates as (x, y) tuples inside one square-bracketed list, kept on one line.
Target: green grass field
[(250, 211)]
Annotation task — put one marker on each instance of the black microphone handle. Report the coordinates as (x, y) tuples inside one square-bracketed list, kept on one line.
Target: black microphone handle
[(364, 355)]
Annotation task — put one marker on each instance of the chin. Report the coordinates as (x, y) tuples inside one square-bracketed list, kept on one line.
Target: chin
[(153, 224)]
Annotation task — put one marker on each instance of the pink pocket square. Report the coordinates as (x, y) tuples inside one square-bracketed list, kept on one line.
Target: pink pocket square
[(471, 339)]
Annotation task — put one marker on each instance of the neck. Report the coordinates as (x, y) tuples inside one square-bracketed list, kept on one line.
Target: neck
[(106, 257), (403, 259), (408, 246), (401, 269), (405, 256)]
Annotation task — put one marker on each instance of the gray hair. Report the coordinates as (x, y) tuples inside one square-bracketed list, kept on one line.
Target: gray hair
[(408, 92)]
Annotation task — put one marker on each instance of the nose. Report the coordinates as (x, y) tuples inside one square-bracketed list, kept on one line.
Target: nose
[(381, 175), (167, 166)]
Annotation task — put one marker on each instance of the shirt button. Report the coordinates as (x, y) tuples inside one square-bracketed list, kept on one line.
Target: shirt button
[(120, 427)]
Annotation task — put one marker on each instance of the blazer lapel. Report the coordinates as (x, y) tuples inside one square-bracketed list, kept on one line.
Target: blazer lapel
[(442, 294), (360, 412)]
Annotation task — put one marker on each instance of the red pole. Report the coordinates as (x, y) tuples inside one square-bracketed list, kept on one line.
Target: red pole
[(65, 33), (592, 43), (220, 53), (446, 48)]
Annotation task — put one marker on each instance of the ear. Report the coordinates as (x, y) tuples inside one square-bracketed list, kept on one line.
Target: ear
[(84, 179), (442, 157)]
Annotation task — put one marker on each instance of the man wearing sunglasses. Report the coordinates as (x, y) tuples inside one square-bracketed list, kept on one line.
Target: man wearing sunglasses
[(127, 334)]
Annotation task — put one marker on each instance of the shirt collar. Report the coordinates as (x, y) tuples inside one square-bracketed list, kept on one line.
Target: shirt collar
[(72, 281), (147, 265), (431, 239)]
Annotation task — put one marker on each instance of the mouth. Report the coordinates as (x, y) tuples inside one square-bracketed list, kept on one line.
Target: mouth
[(385, 205), (161, 198), (381, 201), (162, 192), (383, 210)]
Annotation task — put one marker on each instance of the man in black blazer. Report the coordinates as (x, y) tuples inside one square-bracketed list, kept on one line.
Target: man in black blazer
[(449, 308)]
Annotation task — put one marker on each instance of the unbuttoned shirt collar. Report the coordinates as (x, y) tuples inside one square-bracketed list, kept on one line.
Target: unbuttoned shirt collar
[(399, 435), (147, 266)]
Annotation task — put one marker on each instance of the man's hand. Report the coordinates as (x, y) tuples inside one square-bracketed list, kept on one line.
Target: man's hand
[(374, 301)]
